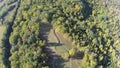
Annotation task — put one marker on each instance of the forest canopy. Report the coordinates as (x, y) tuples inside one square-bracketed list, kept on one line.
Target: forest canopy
[(88, 24)]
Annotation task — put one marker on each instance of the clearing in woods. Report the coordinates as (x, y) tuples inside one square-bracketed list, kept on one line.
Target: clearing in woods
[(57, 47)]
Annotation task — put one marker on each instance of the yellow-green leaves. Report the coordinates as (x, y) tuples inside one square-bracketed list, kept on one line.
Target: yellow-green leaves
[(72, 52)]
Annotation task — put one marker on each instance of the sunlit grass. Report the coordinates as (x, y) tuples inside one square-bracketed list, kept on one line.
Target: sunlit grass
[(2, 30)]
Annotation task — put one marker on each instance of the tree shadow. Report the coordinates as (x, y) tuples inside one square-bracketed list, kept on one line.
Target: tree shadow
[(60, 62), (79, 55), (7, 12), (45, 30), (55, 44), (87, 9), (54, 61)]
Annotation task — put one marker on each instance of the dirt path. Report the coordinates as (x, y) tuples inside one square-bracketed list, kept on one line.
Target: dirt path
[(64, 41), (56, 47), (47, 34)]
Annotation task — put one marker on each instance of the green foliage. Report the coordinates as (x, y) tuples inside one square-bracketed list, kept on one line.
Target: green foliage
[(14, 38), (26, 45), (88, 61), (86, 22), (85, 28), (72, 52)]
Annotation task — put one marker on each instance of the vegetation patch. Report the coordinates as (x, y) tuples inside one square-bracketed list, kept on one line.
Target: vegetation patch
[(2, 31)]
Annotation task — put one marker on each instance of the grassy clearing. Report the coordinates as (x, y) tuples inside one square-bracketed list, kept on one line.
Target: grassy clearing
[(2, 30), (61, 49)]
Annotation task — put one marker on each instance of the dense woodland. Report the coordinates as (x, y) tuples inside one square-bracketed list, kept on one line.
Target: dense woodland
[(88, 24)]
